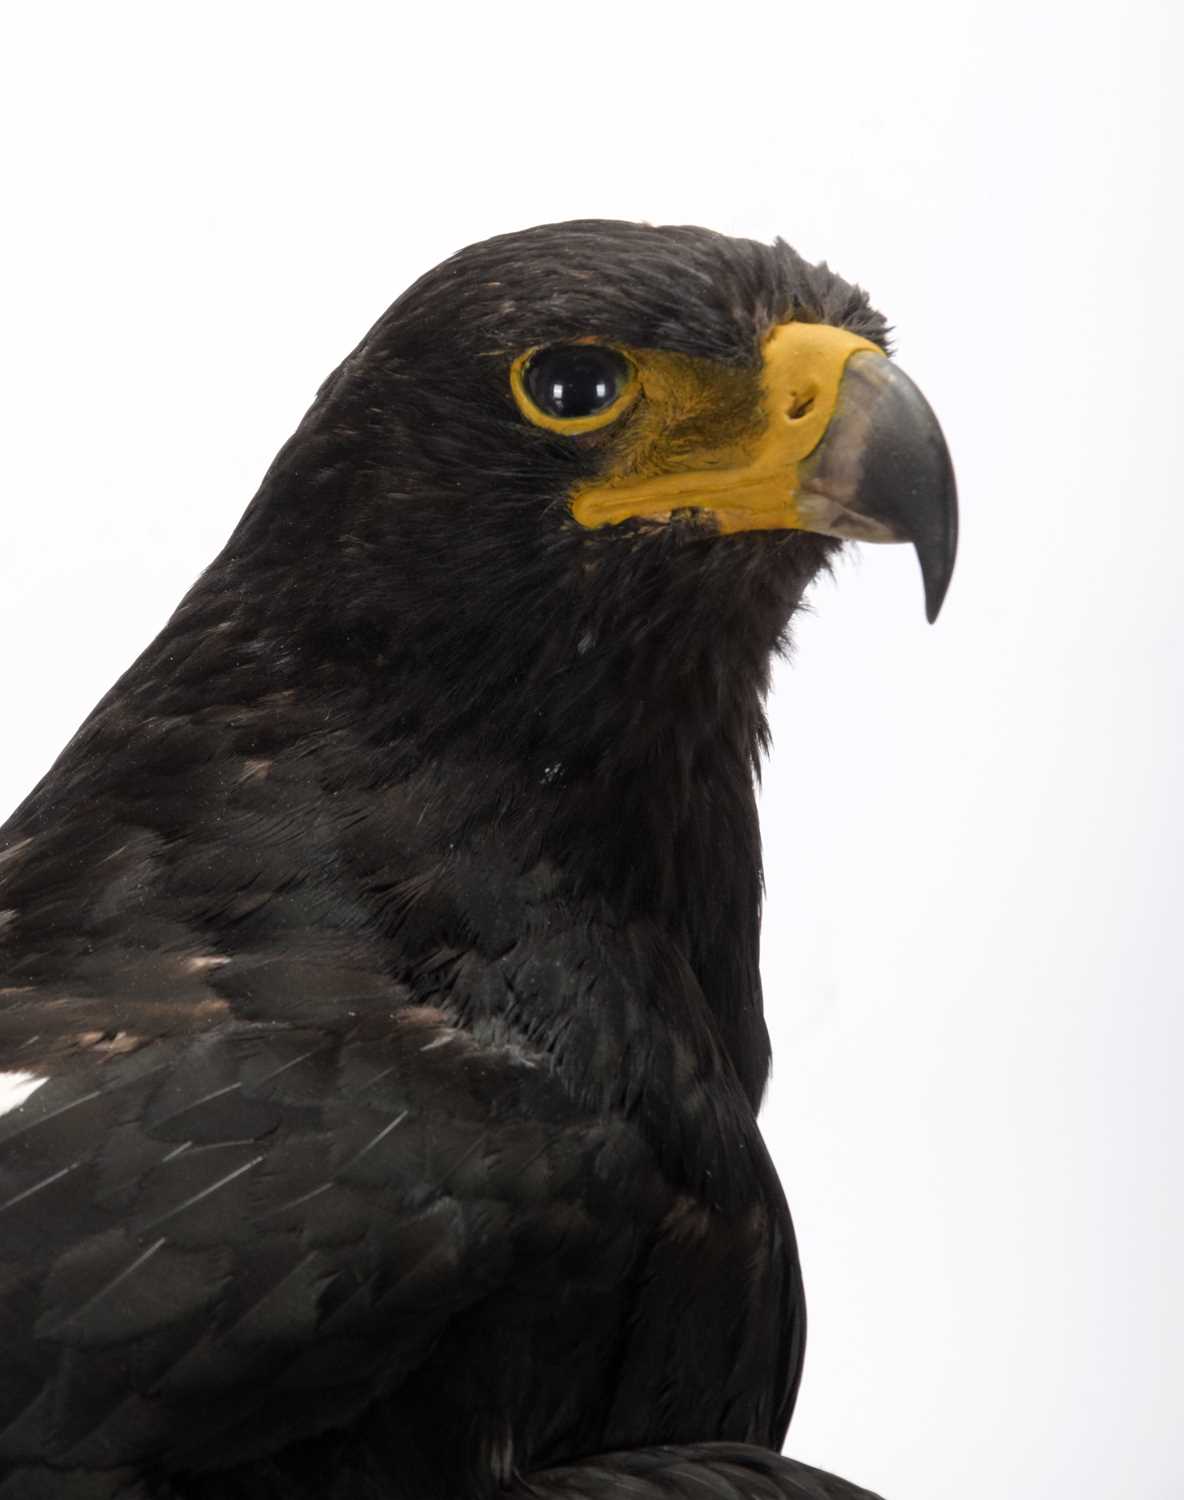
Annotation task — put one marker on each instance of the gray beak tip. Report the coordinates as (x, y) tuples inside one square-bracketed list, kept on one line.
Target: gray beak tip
[(905, 486)]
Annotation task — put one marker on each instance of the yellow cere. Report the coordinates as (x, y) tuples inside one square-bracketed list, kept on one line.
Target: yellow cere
[(714, 437)]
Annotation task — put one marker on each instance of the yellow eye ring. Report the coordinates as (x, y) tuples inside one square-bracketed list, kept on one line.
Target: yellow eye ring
[(616, 362)]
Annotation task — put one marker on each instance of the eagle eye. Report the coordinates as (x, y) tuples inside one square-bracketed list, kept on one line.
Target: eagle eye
[(573, 387)]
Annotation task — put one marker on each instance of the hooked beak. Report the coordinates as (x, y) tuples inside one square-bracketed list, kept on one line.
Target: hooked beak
[(882, 473), (847, 446)]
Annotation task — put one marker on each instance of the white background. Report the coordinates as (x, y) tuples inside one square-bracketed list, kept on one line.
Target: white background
[(971, 946)]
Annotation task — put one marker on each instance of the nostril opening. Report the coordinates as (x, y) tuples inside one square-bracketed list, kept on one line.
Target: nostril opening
[(799, 406)]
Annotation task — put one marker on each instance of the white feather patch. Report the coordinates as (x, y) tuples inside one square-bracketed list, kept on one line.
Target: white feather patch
[(15, 1088)]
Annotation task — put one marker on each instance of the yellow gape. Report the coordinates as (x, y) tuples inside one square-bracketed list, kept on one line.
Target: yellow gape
[(746, 478)]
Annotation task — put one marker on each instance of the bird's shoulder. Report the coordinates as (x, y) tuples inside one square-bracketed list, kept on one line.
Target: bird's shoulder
[(263, 1223), (324, 1075)]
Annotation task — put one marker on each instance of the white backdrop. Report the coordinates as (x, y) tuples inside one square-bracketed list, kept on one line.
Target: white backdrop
[(971, 955)]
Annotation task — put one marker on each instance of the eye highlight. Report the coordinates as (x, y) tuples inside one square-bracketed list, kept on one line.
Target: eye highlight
[(573, 388)]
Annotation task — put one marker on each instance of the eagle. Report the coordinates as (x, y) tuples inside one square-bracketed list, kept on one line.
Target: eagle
[(379, 987)]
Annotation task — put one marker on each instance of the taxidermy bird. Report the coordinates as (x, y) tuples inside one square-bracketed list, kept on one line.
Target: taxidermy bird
[(378, 963)]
